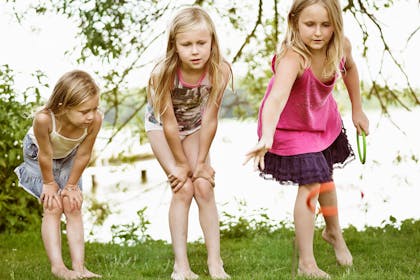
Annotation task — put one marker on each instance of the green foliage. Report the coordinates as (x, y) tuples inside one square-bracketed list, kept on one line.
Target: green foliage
[(122, 39), (18, 209), (377, 254), (132, 233), (99, 211), (247, 224)]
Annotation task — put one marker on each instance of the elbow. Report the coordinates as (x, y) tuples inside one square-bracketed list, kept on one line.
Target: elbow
[(83, 158), (170, 129), (210, 124)]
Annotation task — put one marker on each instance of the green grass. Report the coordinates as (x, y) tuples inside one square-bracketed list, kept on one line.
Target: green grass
[(379, 253)]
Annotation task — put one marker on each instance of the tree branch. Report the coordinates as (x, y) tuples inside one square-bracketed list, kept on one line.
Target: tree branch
[(250, 35)]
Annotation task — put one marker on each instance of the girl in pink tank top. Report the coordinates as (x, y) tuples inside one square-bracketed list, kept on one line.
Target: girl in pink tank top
[(301, 137)]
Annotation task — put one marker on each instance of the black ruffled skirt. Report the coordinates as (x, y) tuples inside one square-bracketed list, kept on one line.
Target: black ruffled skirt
[(311, 167)]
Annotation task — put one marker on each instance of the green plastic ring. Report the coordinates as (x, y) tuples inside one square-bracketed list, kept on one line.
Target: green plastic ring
[(362, 154)]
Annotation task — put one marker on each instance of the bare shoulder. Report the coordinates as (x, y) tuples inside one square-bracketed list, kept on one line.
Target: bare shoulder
[(97, 122), (226, 70), (42, 121), (290, 61), (348, 59), (347, 47)]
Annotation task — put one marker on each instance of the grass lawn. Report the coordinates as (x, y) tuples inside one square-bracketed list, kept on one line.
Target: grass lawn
[(379, 253)]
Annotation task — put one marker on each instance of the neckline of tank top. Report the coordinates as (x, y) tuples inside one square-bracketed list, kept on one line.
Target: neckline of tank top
[(54, 131), (329, 83), (184, 83)]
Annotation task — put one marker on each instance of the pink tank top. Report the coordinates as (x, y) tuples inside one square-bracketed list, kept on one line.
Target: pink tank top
[(310, 121)]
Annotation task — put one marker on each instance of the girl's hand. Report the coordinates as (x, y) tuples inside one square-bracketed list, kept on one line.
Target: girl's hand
[(49, 194), (361, 122), (74, 195), (257, 153), (205, 171), (179, 176)]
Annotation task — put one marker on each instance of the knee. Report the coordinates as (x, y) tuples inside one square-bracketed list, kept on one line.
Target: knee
[(186, 193), (70, 211), (55, 211), (203, 190)]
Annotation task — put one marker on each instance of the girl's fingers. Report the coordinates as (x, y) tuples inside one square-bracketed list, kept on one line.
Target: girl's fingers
[(262, 165), (177, 187), (211, 180), (247, 158), (172, 178), (58, 201), (256, 161), (45, 202), (50, 202)]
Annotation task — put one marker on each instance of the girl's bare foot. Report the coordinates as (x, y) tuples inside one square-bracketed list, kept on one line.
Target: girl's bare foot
[(89, 274), (65, 273), (313, 272), (187, 275), (342, 253), (217, 271)]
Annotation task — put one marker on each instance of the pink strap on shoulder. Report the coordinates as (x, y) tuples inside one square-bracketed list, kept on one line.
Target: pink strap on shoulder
[(273, 63)]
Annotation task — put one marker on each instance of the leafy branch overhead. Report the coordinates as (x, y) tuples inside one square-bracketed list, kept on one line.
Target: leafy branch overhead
[(125, 37)]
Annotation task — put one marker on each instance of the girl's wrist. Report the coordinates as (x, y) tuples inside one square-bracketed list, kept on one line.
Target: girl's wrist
[(268, 142), (71, 187)]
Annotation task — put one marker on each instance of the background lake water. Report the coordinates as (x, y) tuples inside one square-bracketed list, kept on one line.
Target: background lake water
[(387, 185)]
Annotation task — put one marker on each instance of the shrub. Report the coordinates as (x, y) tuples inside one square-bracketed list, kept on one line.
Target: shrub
[(18, 209)]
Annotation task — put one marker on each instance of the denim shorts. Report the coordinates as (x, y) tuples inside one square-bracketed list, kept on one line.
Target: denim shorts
[(29, 172)]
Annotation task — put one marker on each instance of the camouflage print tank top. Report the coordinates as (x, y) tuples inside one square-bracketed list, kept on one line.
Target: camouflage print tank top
[(188, 102)]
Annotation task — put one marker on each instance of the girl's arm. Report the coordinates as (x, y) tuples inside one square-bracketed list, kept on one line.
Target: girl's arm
[(81, 160), (287, 71), (182, 171), (42, 127), (208, 130), (351, 80), (84, 151)]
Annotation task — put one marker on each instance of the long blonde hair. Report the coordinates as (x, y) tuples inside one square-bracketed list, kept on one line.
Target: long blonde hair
[(72, 89), (293, 40), (161, 81)]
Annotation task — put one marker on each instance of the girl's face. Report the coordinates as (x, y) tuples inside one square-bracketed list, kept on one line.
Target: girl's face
[(83, 115), (194, 48), (315, 27)]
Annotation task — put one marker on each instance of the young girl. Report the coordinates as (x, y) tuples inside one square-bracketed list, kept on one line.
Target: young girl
[(300, 131), (185, 93), (56, 150)]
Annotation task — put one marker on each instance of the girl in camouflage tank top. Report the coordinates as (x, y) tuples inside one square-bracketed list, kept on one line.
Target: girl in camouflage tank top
[(185, 93)]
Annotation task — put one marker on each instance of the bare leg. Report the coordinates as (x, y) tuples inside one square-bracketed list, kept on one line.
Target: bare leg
[(178, 210), (332, 232), (304, 227), (75, 237), (51, 236), (209, 221), (178, 224)]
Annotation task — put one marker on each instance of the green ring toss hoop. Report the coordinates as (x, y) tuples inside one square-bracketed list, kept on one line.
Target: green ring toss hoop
[(362, 154)]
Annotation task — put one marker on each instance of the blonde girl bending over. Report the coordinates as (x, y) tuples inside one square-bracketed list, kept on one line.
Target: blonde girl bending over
[(56, 150), (185, 93)]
